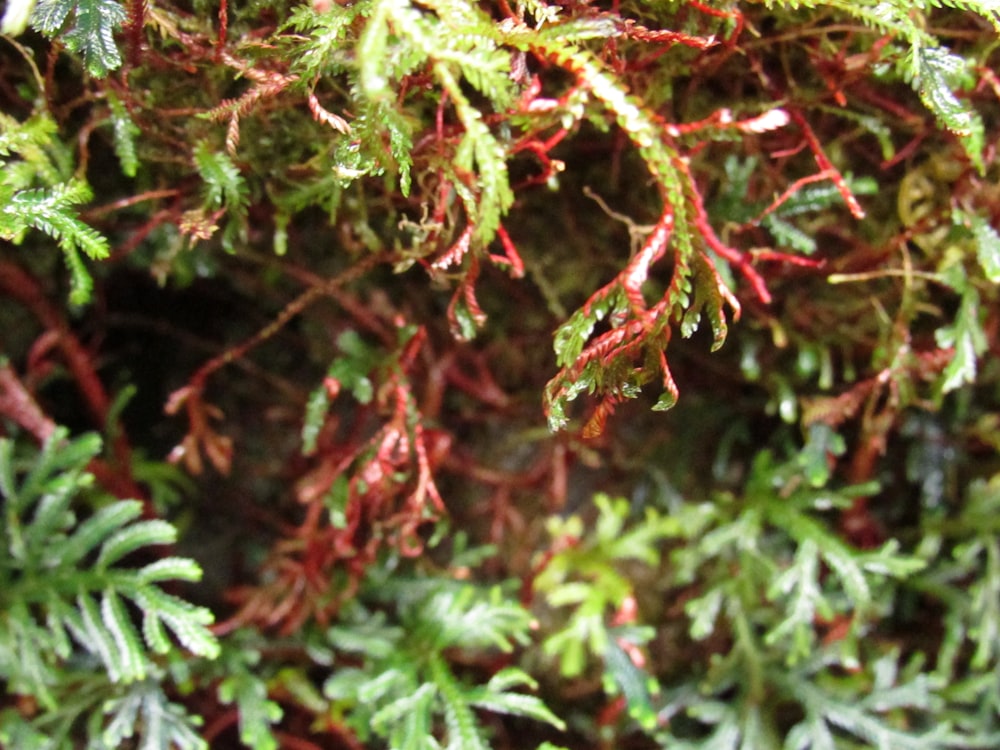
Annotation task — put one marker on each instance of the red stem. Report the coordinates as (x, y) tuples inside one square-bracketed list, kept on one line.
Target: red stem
[(18, 284), (19, 405)]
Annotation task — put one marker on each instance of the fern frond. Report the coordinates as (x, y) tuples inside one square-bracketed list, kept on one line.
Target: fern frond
[(936, 74), (145, 709), (987, 242), (43, 159), (463, 732), (187, 621), (459, 46), (323, 47), (406, 692), (407, 716), (224, 185), (587, 580), (50, 211), (42, 555), (125, 131), (930, 68), (966, 337), (243, 685), (468, 620), (495, 697), (86, 26), (869, 720)]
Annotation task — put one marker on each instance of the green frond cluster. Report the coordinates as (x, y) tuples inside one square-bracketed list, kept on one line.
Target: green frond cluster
[(792, 573), (589, 576), (833, 715), (41, 158), (586, 582), (406, 691), (38, 192), (139, 714), (847, 590), (456, 43), (804, 557), (242, 685), (72, 607)]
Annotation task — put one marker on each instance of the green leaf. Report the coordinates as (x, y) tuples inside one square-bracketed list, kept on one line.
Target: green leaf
[(634, 684), (518, 704), (170, 569), (257, 712), (97, 637), (133, 537), (129, 653), (417, 702), (936, 73), (822, 444), (372, 637), (315, 416), (187, 622), (98, 528), (125, 132), (965, 335), (224, 184), (806, 602), (86, 26), (987, 242), (703, 612), (17, 731), (460, 721)]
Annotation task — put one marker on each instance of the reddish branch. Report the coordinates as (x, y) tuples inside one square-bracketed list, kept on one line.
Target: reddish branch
[(734, 256), (777, 93), (734, 15), (17, 404), (19, 285), (220, 42), (200, 437), (137, 10)]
